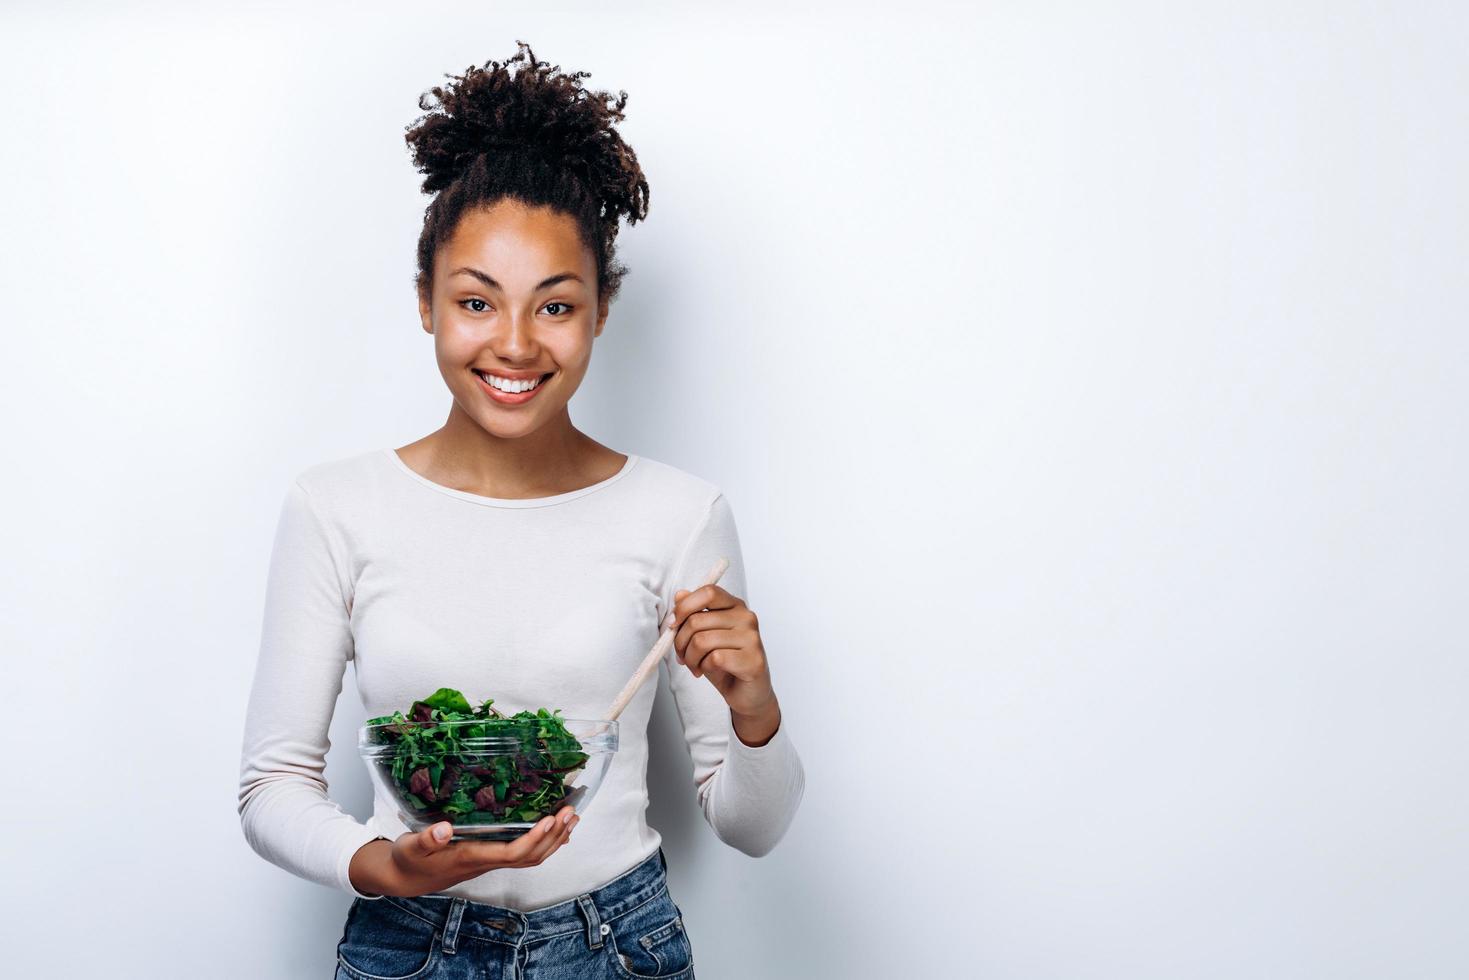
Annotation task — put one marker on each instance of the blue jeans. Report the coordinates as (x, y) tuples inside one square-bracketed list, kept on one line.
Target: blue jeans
[(628, 929)]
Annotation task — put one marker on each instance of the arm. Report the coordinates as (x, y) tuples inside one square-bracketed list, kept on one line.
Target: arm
[(305, 644), (748, 787)]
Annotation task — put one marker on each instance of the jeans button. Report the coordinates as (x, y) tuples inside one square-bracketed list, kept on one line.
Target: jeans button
[(606, 928)]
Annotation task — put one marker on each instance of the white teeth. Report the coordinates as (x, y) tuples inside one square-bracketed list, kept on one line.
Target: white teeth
[(511, 386)]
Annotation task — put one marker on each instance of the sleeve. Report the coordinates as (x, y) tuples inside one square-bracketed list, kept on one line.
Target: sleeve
[(305, 644), (749, 795)]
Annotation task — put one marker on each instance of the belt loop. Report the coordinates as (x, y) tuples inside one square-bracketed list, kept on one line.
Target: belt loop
[(595, 928), (451, 924)]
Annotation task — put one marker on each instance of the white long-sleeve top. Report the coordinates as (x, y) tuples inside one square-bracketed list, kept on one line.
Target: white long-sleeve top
[(548, 602)]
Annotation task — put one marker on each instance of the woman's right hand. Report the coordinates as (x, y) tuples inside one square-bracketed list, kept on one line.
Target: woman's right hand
[(421, 864)]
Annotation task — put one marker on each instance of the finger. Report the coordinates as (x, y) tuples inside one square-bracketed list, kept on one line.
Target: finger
[(671, 621), (520, 852), (706, 642), (566, 838), (566, 818), (563, 834), (710, 597), (516, 851), (713, 664), (548, 842), (719, 619), (548, 838), (704, 597)]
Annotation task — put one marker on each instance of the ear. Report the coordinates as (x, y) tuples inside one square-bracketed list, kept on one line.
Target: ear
[(426, 311), (601, 317)]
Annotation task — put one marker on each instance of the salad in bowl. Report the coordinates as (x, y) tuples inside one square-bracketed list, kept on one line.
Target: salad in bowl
[(491, 775)]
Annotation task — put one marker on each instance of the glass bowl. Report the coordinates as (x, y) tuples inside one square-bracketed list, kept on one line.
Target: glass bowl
[(490, 787)]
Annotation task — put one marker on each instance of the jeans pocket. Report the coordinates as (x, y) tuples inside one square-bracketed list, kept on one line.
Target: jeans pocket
[(382, 941), (649, 943)]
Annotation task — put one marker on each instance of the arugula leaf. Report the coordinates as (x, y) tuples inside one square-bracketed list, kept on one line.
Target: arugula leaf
[(447, 699)]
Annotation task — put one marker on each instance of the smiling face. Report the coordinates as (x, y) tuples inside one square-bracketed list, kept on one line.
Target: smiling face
[(514, 297)]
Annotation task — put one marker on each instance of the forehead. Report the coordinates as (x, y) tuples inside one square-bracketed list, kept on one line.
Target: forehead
[(510, 239)]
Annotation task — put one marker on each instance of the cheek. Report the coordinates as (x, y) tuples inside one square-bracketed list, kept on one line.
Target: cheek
[(571, 354), (455, 345), (570, 363)]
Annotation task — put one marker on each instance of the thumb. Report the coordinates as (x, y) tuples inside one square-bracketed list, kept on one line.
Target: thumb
[(436, 837)]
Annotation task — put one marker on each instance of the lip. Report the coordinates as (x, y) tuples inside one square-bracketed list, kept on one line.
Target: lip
[(505, 397)]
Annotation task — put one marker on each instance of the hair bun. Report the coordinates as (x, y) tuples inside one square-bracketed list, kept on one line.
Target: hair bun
[(534, 111)]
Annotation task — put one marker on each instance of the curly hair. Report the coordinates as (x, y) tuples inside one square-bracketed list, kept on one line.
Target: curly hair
[(533, 135)]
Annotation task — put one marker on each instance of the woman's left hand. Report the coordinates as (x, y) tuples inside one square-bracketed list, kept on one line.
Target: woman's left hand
[(718, 637)]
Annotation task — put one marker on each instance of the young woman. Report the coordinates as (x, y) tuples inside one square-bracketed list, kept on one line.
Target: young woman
[(513, 557)]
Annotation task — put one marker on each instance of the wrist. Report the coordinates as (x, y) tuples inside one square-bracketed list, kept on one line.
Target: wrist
[(370, 867), (758, 728)]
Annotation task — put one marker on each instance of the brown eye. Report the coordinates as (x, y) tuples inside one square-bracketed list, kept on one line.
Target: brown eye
[(474, 299), (566, 307)]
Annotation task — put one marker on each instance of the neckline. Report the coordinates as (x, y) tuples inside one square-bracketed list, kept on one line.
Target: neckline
[(475, 498)]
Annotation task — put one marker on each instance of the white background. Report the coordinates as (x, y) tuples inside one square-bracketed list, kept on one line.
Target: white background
[(1088, 383)]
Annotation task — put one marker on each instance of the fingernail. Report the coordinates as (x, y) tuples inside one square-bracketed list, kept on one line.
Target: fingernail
[(441, 832), (547, 824), (668, 620), (566, 817)]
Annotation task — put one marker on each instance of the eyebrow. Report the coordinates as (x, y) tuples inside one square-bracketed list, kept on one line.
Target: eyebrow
[(489, 280)]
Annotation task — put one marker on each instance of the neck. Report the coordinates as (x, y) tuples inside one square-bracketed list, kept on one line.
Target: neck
[(533, 465)]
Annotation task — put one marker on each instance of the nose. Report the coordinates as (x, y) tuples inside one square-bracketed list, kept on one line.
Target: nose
[(515, 343)]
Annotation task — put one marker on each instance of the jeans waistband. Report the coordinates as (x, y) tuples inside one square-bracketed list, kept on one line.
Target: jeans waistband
[(458, 917)]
